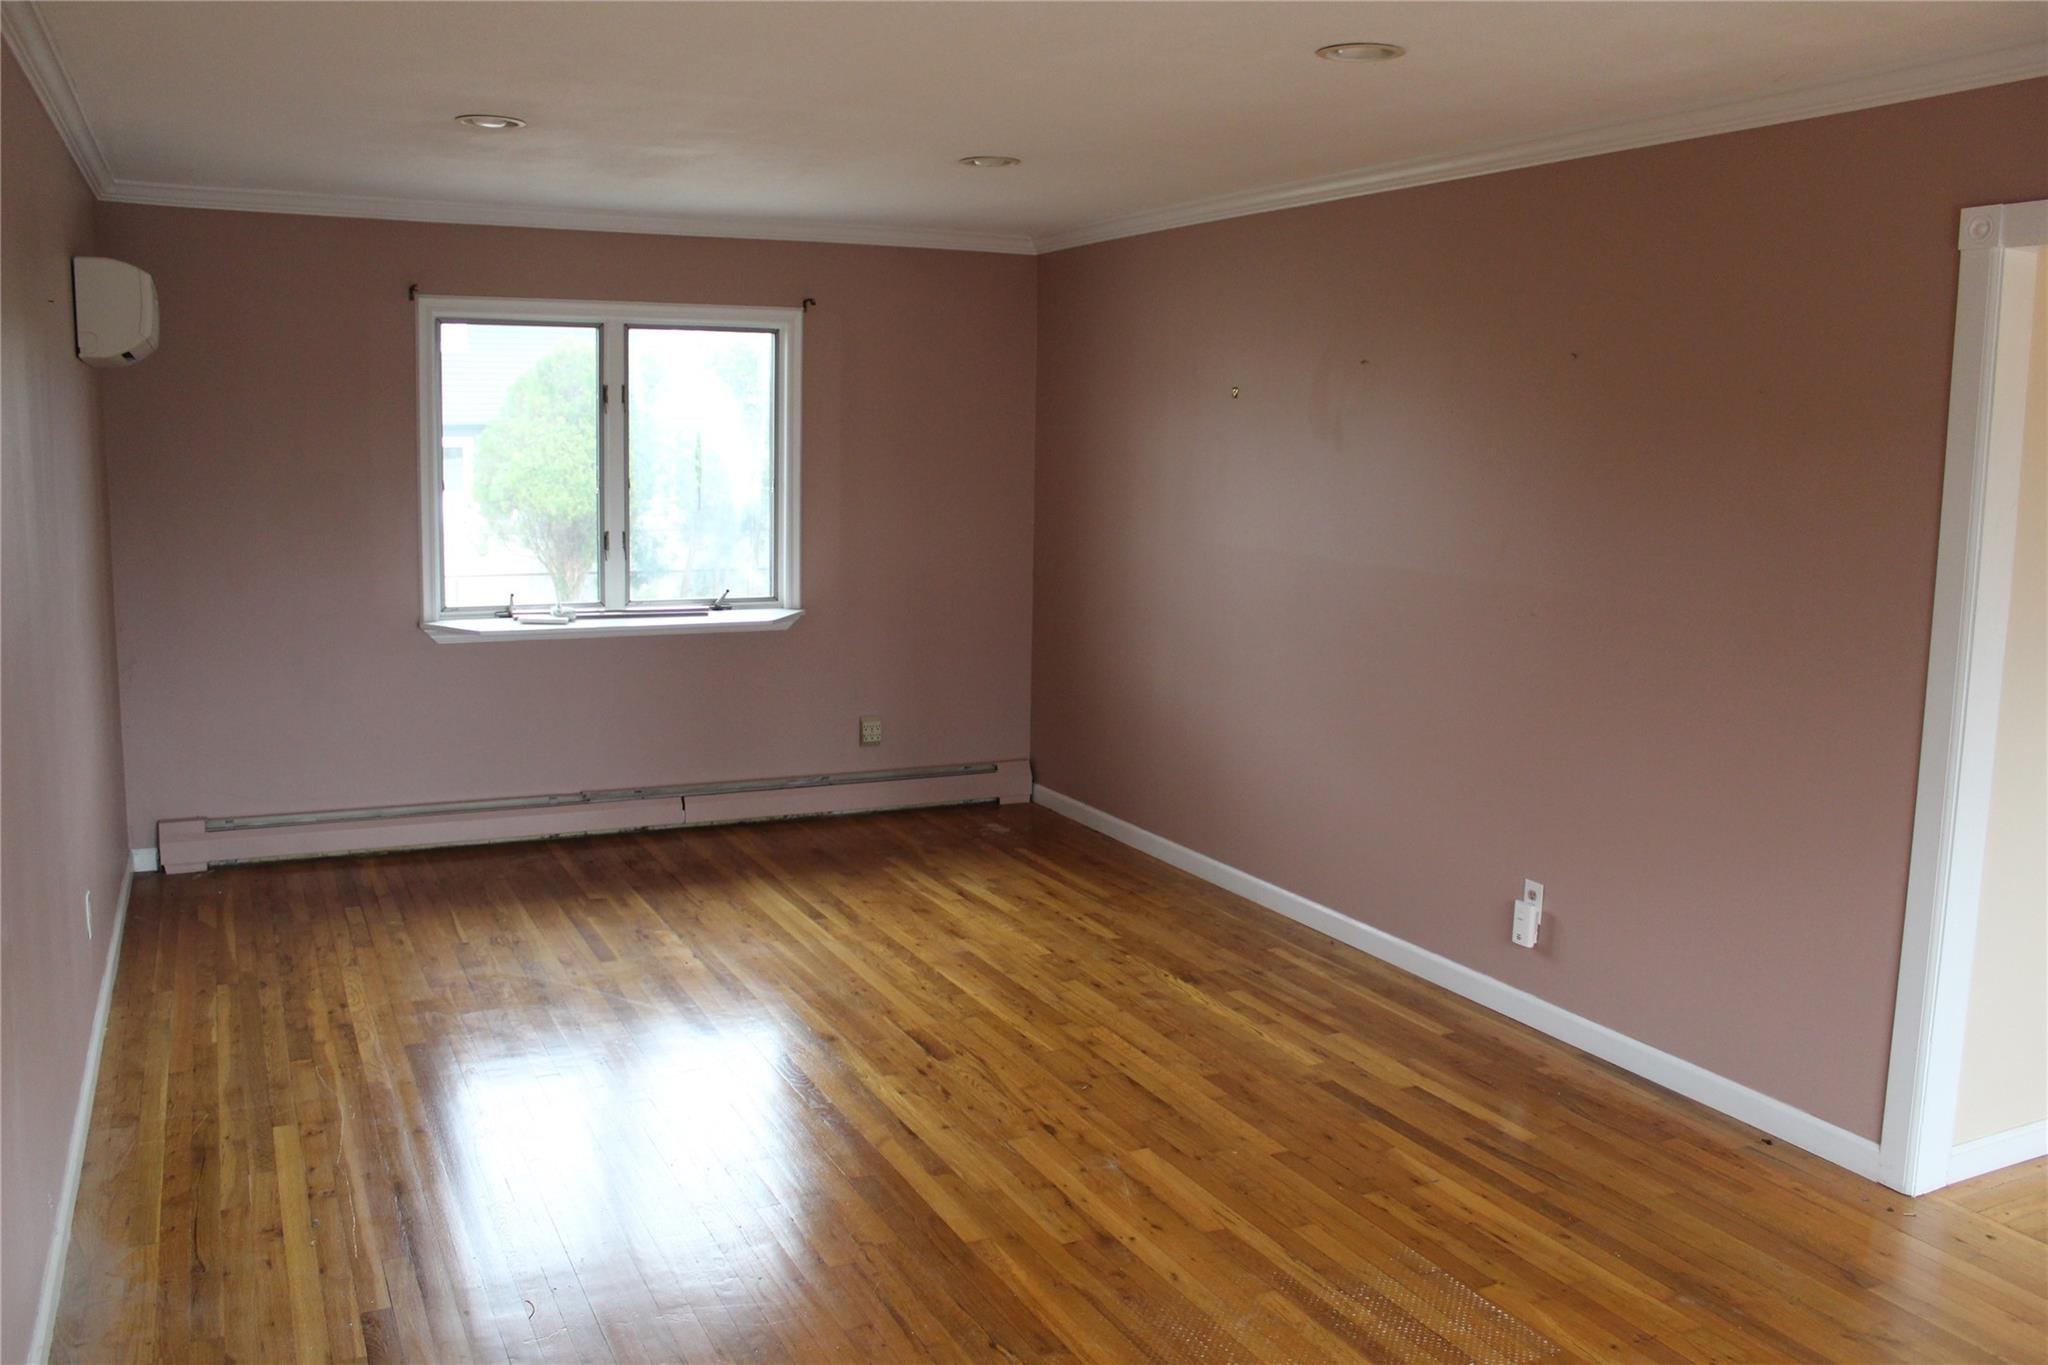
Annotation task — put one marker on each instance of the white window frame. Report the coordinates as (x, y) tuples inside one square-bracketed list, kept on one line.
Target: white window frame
[(776, 611)]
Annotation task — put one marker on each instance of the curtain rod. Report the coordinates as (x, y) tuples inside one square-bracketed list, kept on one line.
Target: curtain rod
[(412, 291)]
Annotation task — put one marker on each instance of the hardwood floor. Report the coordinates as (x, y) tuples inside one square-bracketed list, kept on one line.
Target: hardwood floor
[(972, 1084)]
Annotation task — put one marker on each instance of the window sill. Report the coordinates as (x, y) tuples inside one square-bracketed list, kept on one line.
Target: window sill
[(465, 630)]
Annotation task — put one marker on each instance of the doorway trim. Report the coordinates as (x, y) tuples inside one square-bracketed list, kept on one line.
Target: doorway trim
[(2000, 256)]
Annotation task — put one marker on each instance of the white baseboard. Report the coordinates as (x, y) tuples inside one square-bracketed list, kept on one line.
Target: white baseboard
[(142, 859), (1738, 1101), (81, 1124), (1986, 1154)]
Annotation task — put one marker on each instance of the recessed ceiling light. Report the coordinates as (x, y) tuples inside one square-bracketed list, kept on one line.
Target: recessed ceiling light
[(1360, 52), (988, 162), (491, 123)]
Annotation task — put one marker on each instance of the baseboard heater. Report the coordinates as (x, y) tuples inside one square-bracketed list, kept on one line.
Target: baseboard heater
[(192, 845)]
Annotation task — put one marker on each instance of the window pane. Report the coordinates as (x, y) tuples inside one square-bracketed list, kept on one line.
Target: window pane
[(519, 464), (701, 432)]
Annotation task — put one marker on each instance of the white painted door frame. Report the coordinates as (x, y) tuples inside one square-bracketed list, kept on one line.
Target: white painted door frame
[(1965, 668)]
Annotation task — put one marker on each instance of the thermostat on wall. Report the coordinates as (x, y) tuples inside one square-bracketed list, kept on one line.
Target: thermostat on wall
[(113, 306)]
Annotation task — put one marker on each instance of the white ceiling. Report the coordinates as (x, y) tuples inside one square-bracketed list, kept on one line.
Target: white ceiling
[(843, 121)]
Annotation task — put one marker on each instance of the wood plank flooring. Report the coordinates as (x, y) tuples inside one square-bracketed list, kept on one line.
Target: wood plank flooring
[(975, 1084)]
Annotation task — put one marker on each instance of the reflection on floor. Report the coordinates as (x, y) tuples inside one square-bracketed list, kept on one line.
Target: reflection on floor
[(973, 1083)]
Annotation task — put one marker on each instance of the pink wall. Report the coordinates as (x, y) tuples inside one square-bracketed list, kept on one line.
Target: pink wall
[(60, 756), (264, 468), (1575, 523)]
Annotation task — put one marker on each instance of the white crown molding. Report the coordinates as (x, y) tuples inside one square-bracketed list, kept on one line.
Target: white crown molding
[(22, 26), (575, 220), (30, 39), (1838, 97), (26, 34)]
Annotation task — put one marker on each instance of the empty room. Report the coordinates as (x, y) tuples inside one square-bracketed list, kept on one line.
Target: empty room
[(1014, 680)]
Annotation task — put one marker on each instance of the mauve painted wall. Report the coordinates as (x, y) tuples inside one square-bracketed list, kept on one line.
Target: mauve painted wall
[(1576, 523), (60, 728), (264, 467)]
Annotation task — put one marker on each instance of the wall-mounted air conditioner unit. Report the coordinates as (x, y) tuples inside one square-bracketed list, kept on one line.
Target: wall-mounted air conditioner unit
[(114, 307)]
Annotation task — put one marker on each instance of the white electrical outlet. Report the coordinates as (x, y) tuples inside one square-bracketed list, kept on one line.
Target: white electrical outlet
[(1532, 892), (88, 912), (1528, 922), (870, 729)]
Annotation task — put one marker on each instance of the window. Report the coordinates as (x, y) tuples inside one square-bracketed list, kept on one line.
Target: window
[(622, 464)]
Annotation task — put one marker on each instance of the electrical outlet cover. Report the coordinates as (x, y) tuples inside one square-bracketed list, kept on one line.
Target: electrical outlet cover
[(1528, 920)]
